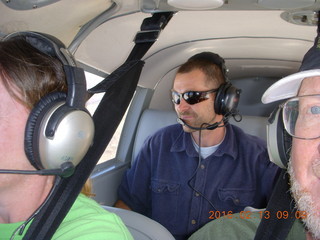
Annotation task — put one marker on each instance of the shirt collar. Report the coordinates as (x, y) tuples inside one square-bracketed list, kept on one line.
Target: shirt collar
[(183, 142), (229, 145)]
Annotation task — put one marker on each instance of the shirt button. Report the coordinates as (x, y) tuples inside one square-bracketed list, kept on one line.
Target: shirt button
[(202, 166), (193, 222), (197, 194), (236, 201)]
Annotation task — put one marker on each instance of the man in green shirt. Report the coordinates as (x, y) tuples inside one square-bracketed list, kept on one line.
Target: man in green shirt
[(34, 83), (301, 120), (86, 220)]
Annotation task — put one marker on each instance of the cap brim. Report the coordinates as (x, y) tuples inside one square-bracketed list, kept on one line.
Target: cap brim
[(287, 87)]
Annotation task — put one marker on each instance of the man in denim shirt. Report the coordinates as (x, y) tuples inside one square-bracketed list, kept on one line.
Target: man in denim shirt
[(190, 173)]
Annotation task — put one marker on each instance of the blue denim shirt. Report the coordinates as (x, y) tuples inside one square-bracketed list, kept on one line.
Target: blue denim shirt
[(236, 175)]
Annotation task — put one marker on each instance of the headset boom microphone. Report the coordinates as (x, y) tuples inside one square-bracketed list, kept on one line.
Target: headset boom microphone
[(66, 170), (207, 127)]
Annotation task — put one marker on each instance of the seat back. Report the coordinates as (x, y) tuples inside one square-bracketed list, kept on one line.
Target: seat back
[(152, 120), (253, 125), (141, 227)]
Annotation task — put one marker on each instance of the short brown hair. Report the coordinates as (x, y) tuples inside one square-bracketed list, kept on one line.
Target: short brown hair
[(211, 70)]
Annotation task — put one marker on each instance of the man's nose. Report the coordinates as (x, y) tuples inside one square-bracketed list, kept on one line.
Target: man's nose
[(183, 106)]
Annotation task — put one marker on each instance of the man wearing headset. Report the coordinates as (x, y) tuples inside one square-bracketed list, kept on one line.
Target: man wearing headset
[(26, 75), (183, 186), (301, 120)]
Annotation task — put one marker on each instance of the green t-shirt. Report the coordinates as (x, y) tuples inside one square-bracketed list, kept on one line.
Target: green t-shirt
[(86, 220), (238, 227)]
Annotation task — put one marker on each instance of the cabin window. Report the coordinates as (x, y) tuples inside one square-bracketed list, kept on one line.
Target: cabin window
[(92, 104)]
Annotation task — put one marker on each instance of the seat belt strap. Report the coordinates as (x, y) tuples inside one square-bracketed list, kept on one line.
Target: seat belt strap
[(272, 226)]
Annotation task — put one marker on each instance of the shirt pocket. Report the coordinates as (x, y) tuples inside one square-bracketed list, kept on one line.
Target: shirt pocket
[(165, 187), (165, 200), (236, 199)]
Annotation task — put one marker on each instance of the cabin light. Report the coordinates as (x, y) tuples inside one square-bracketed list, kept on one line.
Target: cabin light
[(27, 5), (196, 4), (307, 18)]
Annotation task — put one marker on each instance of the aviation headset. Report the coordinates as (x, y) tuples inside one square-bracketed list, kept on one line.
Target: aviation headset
[(59, 129), (227, 97), (278, 139)]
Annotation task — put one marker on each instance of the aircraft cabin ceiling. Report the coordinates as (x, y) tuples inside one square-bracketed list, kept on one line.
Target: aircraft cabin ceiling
[(252, 35)]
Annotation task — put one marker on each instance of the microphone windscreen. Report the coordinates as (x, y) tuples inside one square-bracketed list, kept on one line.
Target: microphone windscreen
[(180, 121)]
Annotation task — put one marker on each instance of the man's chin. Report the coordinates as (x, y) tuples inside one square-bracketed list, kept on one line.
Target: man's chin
[(310, 210), (306, 204), (188, 130)]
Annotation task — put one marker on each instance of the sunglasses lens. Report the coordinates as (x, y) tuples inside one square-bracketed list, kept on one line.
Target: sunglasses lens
[(191, 97), (194, 97), (176, 98)]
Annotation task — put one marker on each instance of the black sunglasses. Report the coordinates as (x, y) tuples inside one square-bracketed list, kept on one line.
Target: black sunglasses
[(192, 97)]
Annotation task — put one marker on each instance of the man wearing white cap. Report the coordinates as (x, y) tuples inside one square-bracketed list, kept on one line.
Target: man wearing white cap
[(300, 116)]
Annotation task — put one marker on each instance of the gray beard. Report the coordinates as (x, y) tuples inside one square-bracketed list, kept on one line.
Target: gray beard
[(305, 203)]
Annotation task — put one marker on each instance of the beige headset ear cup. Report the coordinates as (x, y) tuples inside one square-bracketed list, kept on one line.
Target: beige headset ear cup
[(278, 140), (31, 140), (73, 133)]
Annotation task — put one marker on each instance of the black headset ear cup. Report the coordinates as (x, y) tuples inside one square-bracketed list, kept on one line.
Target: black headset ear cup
[(227, 99), (278, 140), (31, 140)]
